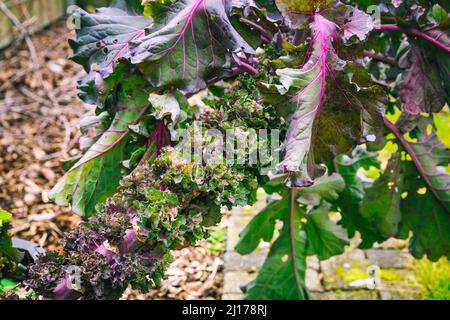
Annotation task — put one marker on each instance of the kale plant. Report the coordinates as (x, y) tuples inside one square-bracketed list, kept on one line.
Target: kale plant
[(341, 81)]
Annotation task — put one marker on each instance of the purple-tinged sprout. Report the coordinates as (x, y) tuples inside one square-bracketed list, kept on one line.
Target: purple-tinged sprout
[(106, 252), (130, 242), (280, 39), (161, 137), (64, 291), (246, 67), (253, 61)]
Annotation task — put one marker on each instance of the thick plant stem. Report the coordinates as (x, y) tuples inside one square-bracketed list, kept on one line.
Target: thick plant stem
[(414, 32), (263, 31), (405, 144), (292, 212), (298, 37), (380, 57)]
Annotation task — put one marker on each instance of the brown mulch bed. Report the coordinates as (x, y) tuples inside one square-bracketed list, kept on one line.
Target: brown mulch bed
[(195, 274), (39, 116), (39, 112)]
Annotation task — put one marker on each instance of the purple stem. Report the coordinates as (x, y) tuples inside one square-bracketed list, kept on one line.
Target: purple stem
[(412, 31), (264, 39), (280, 39), (105, 252), (161, 137), (246, 67), (391, 126), (263, 31), (382, 83), (379, 56), (277, 176), (130, 242), (298, 37)]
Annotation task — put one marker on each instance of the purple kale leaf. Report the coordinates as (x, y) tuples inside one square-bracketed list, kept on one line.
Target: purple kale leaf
[(194, 42), (330, 106), (358, 23), (104, 37), (422, 88)]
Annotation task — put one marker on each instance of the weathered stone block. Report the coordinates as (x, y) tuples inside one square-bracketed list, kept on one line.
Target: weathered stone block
[(313, 262), (346, 295), (389, 258), (312, 279), (235, 226), (392, 244), (252, 262), (233, 296), (234, 280), (338, 272)]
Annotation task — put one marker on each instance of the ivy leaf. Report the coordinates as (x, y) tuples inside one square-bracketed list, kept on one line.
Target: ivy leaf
[(261, 227), (97, 174), (192, 44), (325, 238), (283, 274)]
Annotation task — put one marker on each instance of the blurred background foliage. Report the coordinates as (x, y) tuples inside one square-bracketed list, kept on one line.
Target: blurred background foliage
[(434, 278), (90, 5)]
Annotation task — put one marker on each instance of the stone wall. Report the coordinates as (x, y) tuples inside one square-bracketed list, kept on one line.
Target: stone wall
[(347, 276)]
